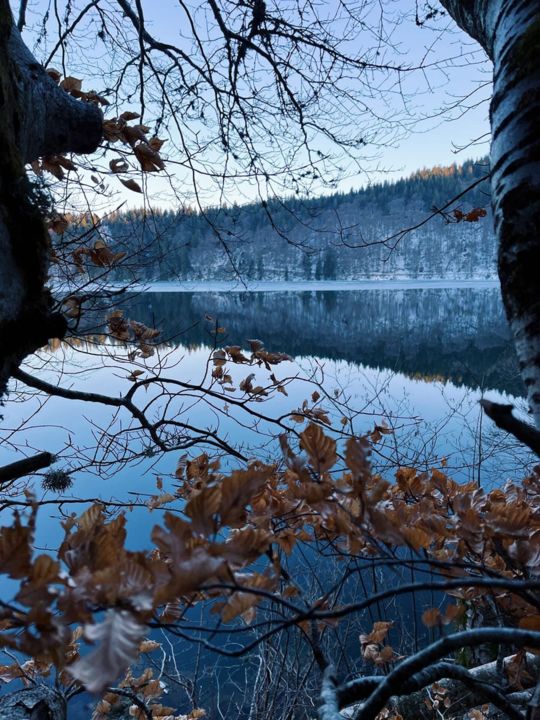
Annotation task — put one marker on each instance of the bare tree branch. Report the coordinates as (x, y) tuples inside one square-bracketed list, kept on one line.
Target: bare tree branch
[(394, 681), (503, 417), (20, 468)]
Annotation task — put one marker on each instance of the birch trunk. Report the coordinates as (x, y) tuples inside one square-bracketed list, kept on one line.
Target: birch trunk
[(509, 31)]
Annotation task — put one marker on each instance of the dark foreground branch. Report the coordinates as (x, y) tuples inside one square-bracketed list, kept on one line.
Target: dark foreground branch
[(192, 436), (28, 465), (423, 669), (504, 418), (464, 689), (393, 682)]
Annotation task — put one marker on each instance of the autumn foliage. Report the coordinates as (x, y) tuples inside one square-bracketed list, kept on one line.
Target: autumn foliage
[(222, 544)]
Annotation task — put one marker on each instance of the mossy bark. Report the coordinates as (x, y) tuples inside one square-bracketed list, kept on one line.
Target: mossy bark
[(37, 118)]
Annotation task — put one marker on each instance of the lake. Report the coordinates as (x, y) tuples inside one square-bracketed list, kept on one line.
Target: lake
[(416, 360), (412, 360)]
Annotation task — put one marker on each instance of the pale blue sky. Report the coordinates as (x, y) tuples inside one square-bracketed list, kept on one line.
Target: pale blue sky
[(430, 129)]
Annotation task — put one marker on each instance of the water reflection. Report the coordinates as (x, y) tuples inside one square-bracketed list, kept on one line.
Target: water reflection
[(457, 334), (417, 360)]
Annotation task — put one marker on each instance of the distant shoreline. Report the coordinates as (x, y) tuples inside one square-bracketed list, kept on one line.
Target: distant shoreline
[(293, 286)]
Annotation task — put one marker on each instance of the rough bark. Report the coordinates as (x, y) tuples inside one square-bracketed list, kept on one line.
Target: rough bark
[(38, 118), (35, 703), (463, 697), (509, 31), (476, 690)]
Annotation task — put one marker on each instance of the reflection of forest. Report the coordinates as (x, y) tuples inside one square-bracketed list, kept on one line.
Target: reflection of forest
[(459, 334)]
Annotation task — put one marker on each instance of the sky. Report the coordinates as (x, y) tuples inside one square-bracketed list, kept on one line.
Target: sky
[(433, 116)]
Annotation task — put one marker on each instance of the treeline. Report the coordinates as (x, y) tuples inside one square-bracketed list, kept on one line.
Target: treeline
[(345, 235)]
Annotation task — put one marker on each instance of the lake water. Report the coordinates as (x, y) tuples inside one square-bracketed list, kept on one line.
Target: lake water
[(416, 360)]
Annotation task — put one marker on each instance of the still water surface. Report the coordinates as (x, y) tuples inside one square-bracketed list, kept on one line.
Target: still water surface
[(415, 360)]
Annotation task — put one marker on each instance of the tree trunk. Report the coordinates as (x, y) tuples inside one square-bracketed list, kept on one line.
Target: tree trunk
[(462, 696), (509, 31), (38, 118), (34, 703)]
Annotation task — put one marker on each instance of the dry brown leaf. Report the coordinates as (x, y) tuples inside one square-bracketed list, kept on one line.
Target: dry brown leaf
[(431, 617), (119, 636), (131, 184), (320, 448)]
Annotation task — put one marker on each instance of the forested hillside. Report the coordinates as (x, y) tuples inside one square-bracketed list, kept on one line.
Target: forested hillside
[(339, 236)]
